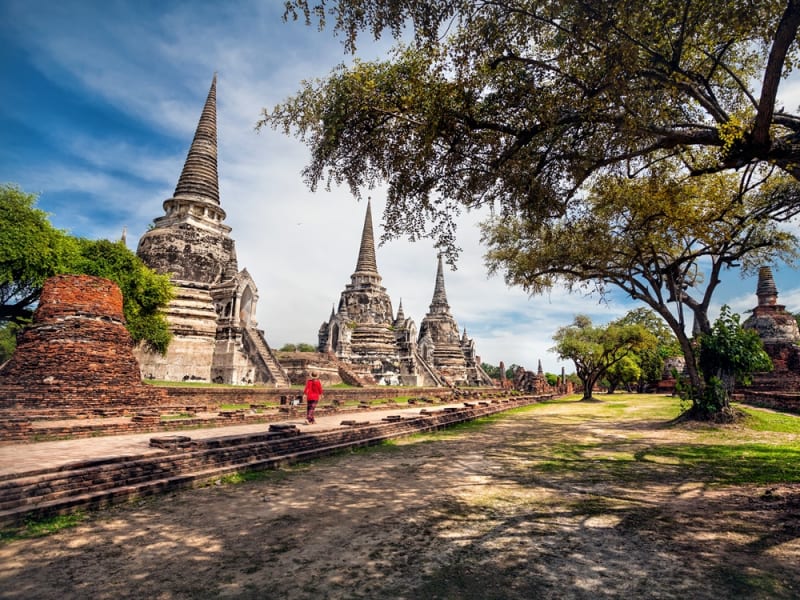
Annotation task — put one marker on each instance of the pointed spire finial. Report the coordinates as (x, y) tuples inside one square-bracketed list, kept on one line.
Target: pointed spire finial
[(400, 315), (199, 178), (366, 253), (439, 294)]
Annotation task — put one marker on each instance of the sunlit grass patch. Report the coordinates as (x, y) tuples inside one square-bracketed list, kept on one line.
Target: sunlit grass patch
[(33, 528), (764, 420), (735, 463)]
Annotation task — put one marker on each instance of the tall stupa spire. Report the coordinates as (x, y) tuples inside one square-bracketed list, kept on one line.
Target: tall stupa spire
[(766, 291), (366, 253), (199, 179), (439, 295)]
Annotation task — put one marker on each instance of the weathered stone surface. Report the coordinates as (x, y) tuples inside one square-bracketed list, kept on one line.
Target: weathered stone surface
[(381, 348), (779, 389), (440, 344), (362, 332), (212, 317)]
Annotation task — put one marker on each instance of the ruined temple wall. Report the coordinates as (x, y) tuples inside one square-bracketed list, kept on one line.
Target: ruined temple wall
[(193, 323), (188, 359), (232, 361)]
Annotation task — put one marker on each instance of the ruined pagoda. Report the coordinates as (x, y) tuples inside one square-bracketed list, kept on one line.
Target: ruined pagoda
[(441, 345), (363, 332), (776, 327), (212, 317)]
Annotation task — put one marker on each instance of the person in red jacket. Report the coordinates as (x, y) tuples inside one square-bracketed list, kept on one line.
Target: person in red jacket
[(311, 395)]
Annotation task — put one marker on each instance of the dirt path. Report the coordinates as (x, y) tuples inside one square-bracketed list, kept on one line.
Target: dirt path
[(555, 502)]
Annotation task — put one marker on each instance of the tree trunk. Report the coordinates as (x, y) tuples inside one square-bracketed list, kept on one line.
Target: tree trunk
[(588, 386)]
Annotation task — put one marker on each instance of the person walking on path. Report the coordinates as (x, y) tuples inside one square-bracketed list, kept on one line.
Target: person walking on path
[(311, 395)]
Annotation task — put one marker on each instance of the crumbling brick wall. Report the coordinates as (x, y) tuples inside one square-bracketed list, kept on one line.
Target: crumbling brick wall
[(77, 353)]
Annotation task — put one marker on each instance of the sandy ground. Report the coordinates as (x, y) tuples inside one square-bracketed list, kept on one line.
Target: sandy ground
[(548, 503)]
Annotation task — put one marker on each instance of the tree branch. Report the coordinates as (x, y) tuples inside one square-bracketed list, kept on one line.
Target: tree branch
[(785, 36)]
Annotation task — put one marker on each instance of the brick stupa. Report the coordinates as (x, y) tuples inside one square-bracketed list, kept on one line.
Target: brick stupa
[(776, 326), (77, 354)]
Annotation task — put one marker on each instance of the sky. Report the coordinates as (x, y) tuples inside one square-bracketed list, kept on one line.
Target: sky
[(99, 103)]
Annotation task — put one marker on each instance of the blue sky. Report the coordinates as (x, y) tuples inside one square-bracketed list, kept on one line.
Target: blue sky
[(99, 103)]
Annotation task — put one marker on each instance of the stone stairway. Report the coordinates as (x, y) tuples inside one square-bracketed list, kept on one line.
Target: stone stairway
[(430, 372), (346, 372), (180, 462), (267, 357), (484, 376)]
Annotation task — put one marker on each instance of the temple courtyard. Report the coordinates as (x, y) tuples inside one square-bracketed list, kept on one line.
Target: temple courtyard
[(564, 499)]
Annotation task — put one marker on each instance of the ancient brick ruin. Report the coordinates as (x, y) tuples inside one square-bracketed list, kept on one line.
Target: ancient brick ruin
[(776, 326), (212, 317), (76, 355), (780, 335)]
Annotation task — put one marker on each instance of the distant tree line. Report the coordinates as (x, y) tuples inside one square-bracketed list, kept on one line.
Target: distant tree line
[(301, 347)]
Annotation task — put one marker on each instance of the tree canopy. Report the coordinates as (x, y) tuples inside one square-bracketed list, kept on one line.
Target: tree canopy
[(617, 144), (518, 104), (664, 240), (32, 250), (596, 349), (651, 361), (299, 347)]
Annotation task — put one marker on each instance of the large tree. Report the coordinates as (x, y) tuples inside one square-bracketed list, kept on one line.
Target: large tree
[(652, 360), (563, 116), (664, 240), (31, 250), (597, 348), (518, 103)]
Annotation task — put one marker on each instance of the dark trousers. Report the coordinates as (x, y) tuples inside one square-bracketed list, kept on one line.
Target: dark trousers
[(311, 405)]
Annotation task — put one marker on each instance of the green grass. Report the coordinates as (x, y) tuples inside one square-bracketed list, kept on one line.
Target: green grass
[(717, 454), (733, 463), (764, 448), (761, 420), (33, 528), (272, 475)]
